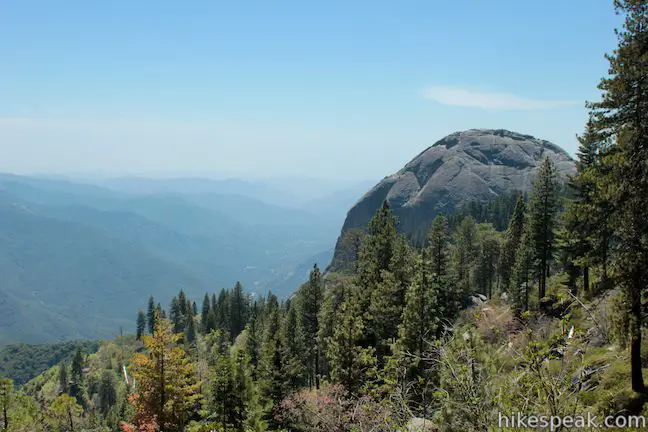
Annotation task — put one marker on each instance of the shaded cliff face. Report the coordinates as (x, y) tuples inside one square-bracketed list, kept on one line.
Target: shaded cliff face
[(477, 164)]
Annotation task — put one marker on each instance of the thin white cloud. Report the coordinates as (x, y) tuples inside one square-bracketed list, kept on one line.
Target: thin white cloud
[(458, 96)]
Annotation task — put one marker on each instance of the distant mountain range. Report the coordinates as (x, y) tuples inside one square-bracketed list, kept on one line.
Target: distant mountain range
[(77, 259)]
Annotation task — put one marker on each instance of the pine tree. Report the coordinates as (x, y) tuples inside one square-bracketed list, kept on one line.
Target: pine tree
[(621, 121), (333, 298), (6, 394), (76, 387), (438, 245), (388, 299), (183, 304), (222, 312), (543, 207), (176, 315), (487, 257), (421, 319), (204, 316), (63, 379), (377, 248), (247, 407), (464, 251), (190, 332), (592, 228), (77, 367), (272, 374), (141, 324), (222, 390), (150, 316), (351, 364), (238, 310), (107, 391), (511, 244), (521, 277), (294, 347), (252, 341), (311, 296), (167, 388)]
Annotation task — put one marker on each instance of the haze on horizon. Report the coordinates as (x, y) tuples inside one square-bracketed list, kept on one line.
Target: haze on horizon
[(286, 89)]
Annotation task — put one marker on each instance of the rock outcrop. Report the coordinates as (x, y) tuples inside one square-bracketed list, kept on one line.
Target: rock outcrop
[(477, 164)]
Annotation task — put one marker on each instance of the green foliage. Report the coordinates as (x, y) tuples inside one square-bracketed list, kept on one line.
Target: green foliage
[(351, 364), (22, 362), (619, 139), (141, 324), (311, 296), (543, 208), (464, 252)]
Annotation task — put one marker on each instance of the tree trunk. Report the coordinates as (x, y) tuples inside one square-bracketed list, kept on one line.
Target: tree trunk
[(586, 281), (317, 368), (635, 339), (5, 418)]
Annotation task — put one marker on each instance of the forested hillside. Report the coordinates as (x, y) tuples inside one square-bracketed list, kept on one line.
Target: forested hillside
[(530, 303), (72, 254)]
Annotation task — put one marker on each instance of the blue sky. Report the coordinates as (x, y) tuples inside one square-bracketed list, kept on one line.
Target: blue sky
[(328, 89)]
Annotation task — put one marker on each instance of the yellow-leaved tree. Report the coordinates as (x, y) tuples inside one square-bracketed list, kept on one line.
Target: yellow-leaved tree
[(165, 384)]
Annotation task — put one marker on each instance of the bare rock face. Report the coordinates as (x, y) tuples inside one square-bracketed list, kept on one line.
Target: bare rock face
[(477, 164)]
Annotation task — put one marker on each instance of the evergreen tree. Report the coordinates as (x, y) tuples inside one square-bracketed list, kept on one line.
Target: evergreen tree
[(543, 207), (76, 387), (333, 298), (294, 347), (64, 384), (385, 310), (464, 251), (77, 367), (252, 342), (141, 324), (511, 244), (351, 364), (438, 245), (204, 316), (150, 316), (388, 298), (377, 248), (590, 228), (107, 391), (311, 296), (421, 319), (521, 277), (190, 332), (621, 121), (487, 258), (222, 390), (272, 374), (176, 315), (238, 310), (183, 304), (247, 407), (222, 312)]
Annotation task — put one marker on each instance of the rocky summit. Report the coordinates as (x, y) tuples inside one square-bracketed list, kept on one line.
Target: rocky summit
[(477, 164)]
